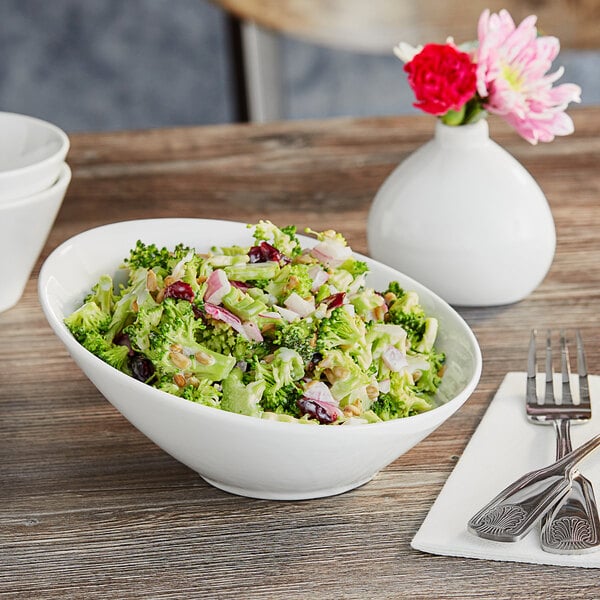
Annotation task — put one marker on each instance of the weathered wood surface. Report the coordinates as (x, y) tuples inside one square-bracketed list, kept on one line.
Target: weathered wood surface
[(89, 508), (378, 25)]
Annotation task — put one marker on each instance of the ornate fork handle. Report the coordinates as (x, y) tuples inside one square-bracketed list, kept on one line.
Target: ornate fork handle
[(572, 527), (511, 515)]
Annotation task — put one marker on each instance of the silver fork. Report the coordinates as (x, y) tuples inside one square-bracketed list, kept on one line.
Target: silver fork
[(573, 525)]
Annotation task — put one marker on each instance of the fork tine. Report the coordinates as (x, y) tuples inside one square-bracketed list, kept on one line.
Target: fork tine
[(531, 394), (549, 393), (565, 369), (584, 390)]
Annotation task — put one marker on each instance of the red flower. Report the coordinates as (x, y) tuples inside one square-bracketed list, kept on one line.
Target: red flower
[(442, 77)]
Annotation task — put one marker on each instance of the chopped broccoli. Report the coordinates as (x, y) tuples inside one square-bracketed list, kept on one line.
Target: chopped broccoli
[(348, 380), (405, 310), (345, 331), (284, 239), (280, 375), (355, 267), (204, 392), (292, 278), (86, 320), (146, 319), (103, 294), (130, 301), (298, 335), (221, 338), (149, 256), (173, 347), (400, 401), (366, 302), (116, 356), (429, 380), (240, 398)]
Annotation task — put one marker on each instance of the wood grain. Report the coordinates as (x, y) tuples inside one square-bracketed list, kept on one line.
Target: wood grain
[(89, 508), (378, 25)]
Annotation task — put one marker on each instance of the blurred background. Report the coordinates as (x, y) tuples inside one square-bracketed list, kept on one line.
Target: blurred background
[(113, 64)]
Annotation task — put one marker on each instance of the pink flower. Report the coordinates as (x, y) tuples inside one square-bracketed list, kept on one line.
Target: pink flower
[(442, 78), (512, 79)]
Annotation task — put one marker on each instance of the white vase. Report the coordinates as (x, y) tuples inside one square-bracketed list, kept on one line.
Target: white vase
[(465, 218)]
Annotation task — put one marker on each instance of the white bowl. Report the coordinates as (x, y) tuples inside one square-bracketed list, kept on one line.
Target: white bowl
[(24, 228), (240, 454), (31, 154)]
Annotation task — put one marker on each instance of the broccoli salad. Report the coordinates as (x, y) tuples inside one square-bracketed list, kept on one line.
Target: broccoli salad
[(274, 330)]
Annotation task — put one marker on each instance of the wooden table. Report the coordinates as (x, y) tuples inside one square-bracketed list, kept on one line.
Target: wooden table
[(89, 508)]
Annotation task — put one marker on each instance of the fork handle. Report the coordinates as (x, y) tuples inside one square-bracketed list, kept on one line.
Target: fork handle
[(562, 427), (573, 526)]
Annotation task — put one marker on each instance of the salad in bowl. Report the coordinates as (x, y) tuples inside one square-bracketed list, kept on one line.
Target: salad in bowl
[(273, 329)]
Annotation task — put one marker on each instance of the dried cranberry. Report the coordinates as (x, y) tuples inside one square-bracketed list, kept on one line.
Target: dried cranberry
[(141, 368), (242, 285), (316, 358), (335, 300), (309, 407), (180, 291), (265, 252), (122, 339), (197, 312), (256, 254)]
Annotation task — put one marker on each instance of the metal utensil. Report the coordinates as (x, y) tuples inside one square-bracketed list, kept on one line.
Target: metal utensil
[(573, 525), (511, 515)]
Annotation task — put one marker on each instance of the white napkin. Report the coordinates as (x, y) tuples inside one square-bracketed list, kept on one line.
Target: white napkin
[(504, 447)]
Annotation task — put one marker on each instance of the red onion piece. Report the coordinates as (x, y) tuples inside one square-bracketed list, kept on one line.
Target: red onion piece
[(299, 305), (252, 331), (217, 286), (393, 359), (222, 314), (318, 276), (288, 315), (384, 386), (331, 253)]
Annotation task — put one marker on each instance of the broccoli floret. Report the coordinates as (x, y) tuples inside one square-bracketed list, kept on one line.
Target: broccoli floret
[(130, 301), (292, 278), (348, 380), (103, 294), (240, 398), (204, 392), (345, 331), (366, 303), (87, 320), (298, 335), (401, 400), (282, 401), (280, 375), (146, 319), (430, 380), (382, 335), (355, 267), (222, 338), (116, 356), (148, 256), (173, 347), (406, 311), (283, 239)]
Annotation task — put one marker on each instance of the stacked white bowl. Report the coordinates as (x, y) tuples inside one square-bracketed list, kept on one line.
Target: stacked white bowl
[(33, 180)]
